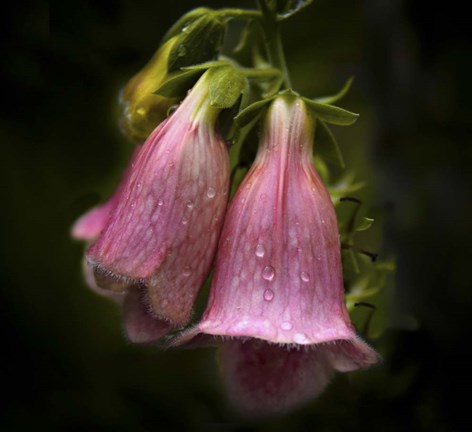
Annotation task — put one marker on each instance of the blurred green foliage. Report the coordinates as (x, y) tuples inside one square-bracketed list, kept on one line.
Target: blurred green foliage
[(66, 364)]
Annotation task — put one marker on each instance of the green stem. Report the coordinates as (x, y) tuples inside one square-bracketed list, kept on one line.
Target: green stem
[(273, 40), (239, 13), (262, 73)]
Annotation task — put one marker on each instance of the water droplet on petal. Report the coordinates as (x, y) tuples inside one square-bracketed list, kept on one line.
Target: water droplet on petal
[(139, 185), (260, 250), (286, 326), (133, 205), (160, 202), (268, 273), (187, 271), (299, 338), (190, 204), (304, 276), (211, 192), (185, 220), (268, 295)]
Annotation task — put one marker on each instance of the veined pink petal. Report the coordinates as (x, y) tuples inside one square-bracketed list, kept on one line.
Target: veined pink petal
[(89, 226), (164, 230), (140, 325), (264, 379)]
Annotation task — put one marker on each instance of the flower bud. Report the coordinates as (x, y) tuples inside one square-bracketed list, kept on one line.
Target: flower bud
[(141, 109), (196, 39)]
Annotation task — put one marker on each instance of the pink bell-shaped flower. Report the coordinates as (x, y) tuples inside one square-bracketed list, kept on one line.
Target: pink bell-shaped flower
[(162, 234), (277, 297)]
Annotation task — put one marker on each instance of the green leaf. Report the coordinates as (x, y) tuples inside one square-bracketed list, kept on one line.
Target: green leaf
[(226, 86), (330, 113), (178, 83), (331, 152), (334, 98), (252, 112), (364, 224)]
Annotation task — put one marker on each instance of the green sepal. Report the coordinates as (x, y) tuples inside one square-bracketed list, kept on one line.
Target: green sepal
[(330, 113), (329, 150), (252, 112), (344, 187), (199, 41), (290, 93), (336, 97), (206, 65), (227, 83), (364, 224), (178, 83)]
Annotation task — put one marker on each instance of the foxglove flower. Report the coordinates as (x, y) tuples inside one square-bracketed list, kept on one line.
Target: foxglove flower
[(161, 236), (277, 299)]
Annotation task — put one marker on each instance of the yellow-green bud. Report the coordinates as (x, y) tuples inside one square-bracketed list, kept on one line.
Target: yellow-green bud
[(141, 109)]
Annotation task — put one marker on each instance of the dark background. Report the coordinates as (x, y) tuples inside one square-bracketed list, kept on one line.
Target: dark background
[(66, 365)]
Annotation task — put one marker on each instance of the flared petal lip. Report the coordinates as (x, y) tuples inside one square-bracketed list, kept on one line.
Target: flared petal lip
[(89, 226), (282, 332), (198, 337)]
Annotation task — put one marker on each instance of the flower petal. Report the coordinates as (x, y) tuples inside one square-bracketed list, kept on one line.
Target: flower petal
[(140, 324), (347, 356), (264, 380), (89, 226)]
